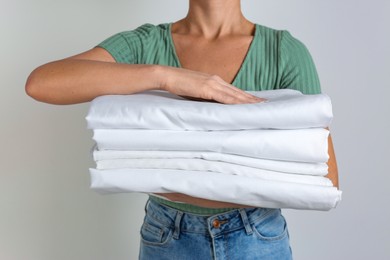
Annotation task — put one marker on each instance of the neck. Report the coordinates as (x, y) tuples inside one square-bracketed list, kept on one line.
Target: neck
[(214, 18)]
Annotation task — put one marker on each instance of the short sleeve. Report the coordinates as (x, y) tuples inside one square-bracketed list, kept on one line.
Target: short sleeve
[(127, 47), (296, 66)]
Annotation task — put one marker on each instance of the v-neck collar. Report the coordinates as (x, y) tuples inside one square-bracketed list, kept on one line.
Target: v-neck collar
[(246, 58)]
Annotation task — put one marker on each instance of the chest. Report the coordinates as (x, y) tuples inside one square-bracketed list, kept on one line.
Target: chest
[(223, 57)]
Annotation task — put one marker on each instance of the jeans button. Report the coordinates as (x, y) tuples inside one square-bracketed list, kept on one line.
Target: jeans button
[(216, 223)]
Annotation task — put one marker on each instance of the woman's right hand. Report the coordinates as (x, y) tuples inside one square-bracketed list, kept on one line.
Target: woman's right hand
[(85, 76), (201, 86)]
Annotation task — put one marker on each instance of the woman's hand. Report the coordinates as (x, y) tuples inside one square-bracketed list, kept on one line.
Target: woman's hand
[(203, 87), (83, 77)]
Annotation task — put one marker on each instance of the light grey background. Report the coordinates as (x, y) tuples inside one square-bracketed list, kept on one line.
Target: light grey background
[(47, 211)]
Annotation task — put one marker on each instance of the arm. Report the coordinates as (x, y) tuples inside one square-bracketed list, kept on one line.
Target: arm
[(87, 75), (83, 77), (332, 164)]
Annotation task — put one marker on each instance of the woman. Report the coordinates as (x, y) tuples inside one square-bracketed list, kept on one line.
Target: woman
[(214, 53)]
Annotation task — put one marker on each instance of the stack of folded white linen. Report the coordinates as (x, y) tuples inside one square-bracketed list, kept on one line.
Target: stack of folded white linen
[(270, 154)]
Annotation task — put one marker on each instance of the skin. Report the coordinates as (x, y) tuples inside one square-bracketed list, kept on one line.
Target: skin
[(219, 37)]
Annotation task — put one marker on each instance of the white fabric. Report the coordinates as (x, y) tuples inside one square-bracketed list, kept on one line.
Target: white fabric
[(212, 166), (301, 145), (320, 169), (217, 186), (285, 109), (271, 154)]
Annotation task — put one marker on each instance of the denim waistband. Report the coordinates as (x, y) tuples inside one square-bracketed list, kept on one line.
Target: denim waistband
[(213, 225)]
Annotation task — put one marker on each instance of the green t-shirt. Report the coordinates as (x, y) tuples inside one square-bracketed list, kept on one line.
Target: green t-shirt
[(275, 60)]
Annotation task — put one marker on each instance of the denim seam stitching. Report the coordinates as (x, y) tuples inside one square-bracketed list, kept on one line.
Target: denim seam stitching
[(162, 222), (275, 238), (261, 217), (162, 244)]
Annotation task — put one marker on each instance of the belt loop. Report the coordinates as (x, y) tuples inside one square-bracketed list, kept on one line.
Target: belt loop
[(176, 232), (245, 221)]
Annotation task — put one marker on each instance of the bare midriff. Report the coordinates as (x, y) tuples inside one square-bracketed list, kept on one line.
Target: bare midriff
[(200, 202)]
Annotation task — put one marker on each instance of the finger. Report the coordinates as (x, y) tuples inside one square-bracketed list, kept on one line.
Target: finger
[(240, 96), (228, 97)]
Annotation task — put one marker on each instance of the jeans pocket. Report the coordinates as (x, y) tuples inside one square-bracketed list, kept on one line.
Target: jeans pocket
[(272, 227), (155, 233)]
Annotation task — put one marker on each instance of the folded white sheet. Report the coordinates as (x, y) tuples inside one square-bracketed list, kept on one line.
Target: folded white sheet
[(213, 166), (320, 169), (285, 109), (271, 154), (217, 186), (301, 145)]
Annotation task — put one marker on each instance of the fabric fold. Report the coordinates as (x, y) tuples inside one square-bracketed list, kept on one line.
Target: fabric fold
[(318, 169), (211, 166), (302, 145), (161, 110), (217, 186)]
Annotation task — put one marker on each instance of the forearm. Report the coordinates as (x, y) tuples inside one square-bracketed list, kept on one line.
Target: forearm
[(93, 73), (71, 81), (332, 164)]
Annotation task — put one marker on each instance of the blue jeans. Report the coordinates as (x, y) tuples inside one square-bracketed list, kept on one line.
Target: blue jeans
[(251, 233)]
